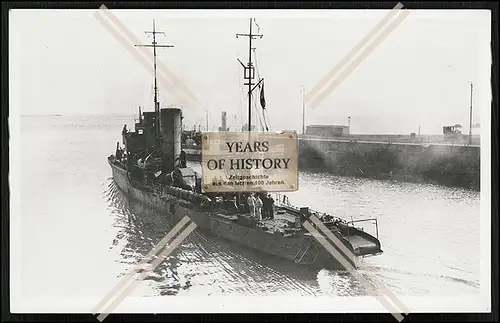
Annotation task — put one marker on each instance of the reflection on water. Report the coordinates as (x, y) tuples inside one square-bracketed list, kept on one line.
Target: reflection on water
[(429, 234), (207, 265), (202, 265)]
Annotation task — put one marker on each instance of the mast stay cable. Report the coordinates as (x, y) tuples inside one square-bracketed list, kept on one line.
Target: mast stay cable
[(264, 114)]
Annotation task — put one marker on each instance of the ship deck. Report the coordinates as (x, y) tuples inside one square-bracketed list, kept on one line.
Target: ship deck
[(284, 223), (360, 242)]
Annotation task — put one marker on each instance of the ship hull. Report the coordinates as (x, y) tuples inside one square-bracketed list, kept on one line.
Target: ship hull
[(300, 249)]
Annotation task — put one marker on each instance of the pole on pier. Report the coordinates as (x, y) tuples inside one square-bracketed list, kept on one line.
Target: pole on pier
[(303, 112), (470, 117)]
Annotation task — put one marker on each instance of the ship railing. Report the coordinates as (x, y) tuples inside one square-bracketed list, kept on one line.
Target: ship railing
[(282, 200), (319, 214), (352, 222)]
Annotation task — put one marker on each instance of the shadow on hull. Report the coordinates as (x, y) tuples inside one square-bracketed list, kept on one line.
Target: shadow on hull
[(279, 237), (200, 255)]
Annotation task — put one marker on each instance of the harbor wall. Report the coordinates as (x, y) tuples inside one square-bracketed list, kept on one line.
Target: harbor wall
[(403, 138), (422, 159), (454, 165)]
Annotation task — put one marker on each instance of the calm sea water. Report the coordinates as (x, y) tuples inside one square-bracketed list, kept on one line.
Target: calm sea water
[(80, 233)]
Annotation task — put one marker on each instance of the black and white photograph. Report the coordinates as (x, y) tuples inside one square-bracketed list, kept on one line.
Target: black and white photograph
[(250, 161)]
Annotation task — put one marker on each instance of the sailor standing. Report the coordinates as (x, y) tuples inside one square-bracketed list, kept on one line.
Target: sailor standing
[(182, 158), (270, 203), (251, 204), (258, 207)]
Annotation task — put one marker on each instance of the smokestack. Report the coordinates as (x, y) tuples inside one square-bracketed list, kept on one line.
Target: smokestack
[(171, 130), (224, 121)]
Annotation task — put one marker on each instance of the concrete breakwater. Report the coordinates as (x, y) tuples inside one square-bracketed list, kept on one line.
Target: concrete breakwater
[(445, 164), (440, 163)]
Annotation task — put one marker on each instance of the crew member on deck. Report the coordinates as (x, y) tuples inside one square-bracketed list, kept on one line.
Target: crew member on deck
[(183, 159), (235, 202), (118, 153), (124, 132), (258, 206), (265, 206), (251, 204), (270, 204)]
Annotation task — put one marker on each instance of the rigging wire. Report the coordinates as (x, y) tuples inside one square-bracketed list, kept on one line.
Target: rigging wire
[(260, 87), (254, 99), (151, 93), (241, 96), (258, 27), (257, 112)]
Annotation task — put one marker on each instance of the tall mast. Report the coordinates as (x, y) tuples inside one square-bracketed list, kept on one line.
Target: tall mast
[(470, 117), (156, 103), (251, 77), (249, 72)]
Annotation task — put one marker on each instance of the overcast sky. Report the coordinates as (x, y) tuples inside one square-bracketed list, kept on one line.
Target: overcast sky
[(66, 62)]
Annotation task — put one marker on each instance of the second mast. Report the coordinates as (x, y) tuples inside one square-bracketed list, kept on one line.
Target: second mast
[(249, 71)]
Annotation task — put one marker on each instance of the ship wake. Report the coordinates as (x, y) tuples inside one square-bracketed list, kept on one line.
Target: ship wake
[(202, 265)]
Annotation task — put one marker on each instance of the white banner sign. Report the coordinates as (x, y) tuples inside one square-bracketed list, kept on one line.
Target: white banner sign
[(249, 161)]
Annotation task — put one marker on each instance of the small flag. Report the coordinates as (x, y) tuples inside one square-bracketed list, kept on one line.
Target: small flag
[(262, 98)]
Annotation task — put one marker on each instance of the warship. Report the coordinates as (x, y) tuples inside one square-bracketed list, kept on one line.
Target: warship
[(151, 168)]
